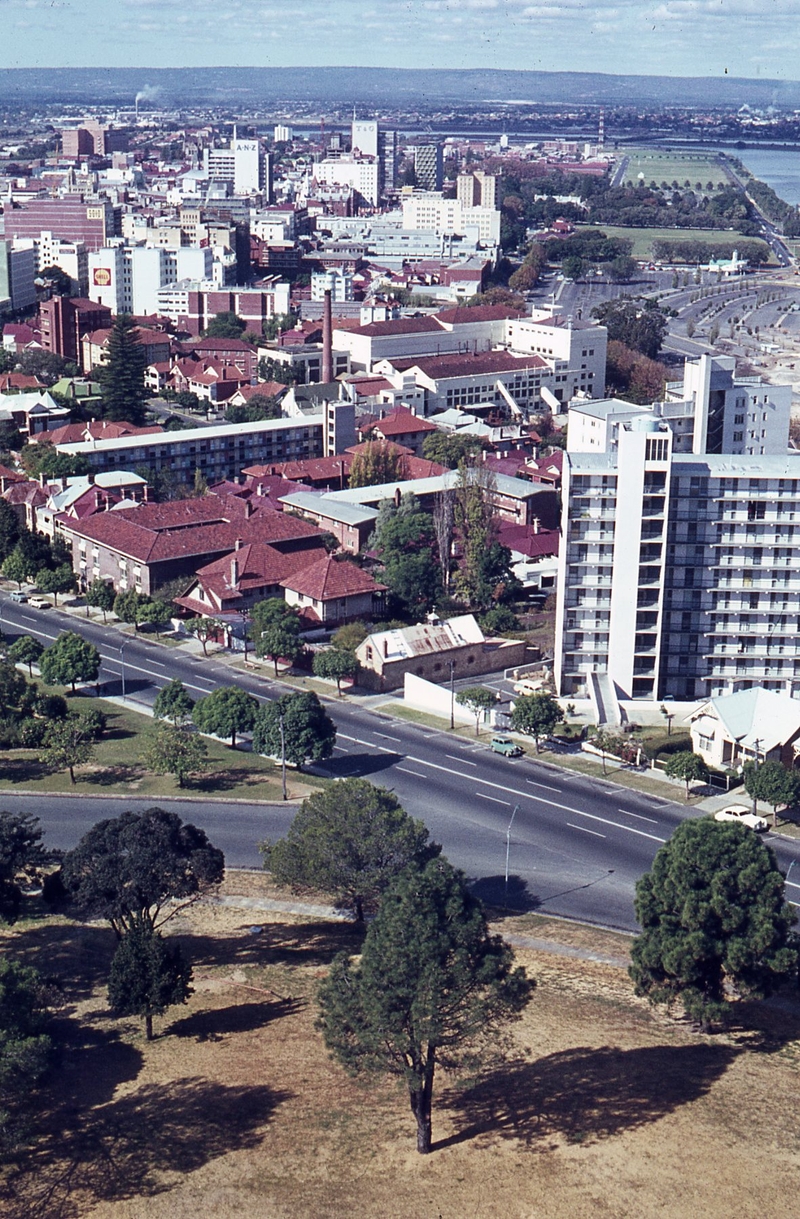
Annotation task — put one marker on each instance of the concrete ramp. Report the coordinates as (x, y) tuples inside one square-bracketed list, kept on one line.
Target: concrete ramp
[(604, 700)]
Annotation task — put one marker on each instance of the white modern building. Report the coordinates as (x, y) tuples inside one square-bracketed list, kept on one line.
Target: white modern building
[(430, 211), (358, 173), (710, 411), (243, 164), (50, 251), (128, 279), (679, 573)]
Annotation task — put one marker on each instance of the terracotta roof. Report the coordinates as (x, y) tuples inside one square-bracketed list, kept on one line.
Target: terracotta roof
[(330, 578), (402, 422), (26, 493), (525, 540), (96, 429), (211, 344), (475, 313), (403, 325), (258, 565), (158, 532), (466, 365), (19, 380)]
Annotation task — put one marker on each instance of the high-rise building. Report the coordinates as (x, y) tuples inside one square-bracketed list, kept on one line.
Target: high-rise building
[(64, 320), (429, 166), (282, 134), (387, 155), (243, 164), (17, 275), (127, 279), (364, 138), (476, 189), (679, 574), (72, 218)]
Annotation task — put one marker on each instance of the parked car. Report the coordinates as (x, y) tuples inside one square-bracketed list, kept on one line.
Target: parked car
[(529, 685), (39, 602), (745, 816), (18, 595), (504, 745)]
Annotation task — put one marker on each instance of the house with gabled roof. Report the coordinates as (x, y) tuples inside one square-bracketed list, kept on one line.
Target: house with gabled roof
[(332, 591), (250, 573), (755, 725)]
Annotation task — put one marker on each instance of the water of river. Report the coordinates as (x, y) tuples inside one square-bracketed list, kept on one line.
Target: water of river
[(778, 167)]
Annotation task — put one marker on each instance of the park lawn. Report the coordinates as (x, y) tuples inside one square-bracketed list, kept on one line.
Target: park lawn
[(668, 165), (643, 238), (603, 1107), (116, 769)]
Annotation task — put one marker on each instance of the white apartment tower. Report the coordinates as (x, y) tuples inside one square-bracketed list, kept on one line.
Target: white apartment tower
[(679, 574)]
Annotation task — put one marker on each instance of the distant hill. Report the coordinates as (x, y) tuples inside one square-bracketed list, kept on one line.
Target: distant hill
[(378, 87)]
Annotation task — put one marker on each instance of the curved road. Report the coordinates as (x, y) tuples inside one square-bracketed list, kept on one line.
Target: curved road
[(576, 847)]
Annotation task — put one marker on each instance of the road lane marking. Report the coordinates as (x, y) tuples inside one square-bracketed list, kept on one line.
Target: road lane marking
[(466, 761), (386, 737), (627, 813), (546, 786), (407, 771), (791, 884), (494, 800), (584, 830), (629, 829)]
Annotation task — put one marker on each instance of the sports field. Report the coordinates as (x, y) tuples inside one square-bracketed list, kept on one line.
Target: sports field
[(668, 165), (643, 238)]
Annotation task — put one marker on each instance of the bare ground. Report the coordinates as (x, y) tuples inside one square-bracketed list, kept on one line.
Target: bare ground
[(604, 1108)]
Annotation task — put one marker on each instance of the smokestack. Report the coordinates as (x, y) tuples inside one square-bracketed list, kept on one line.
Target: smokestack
[(327, 338)]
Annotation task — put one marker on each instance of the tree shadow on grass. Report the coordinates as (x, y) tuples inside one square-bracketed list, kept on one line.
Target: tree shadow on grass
[(136, 1145), (112, 776), (310, 944), (75, 957), (23, 770), (585, 1094), (214, 1023)]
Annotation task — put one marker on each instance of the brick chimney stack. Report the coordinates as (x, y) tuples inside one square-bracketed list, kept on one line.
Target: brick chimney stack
[(327, 338)]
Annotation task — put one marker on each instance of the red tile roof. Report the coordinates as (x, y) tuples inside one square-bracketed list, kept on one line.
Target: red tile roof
[(476, 313), (525, 540), (478, 364), (330, 578), (403, 325), (96, 429), (258, 566), (402, 422)]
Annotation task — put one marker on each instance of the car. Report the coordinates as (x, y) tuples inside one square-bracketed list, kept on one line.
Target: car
[(39, 602), (18, 595), (744, 816), (528, 685), (504, 745)]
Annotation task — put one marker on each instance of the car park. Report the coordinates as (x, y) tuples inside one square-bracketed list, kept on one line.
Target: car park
[(744, 816), (505, 745)]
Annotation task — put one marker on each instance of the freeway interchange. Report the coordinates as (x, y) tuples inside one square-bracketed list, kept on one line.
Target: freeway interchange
[(576, 847)]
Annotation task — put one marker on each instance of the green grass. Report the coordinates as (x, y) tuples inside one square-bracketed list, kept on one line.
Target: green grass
[(668, 165), (643, 238), (115, 768)]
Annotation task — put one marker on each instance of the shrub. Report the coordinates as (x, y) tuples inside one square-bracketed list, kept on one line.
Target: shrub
[(51, 707), (32, 733), (94, 723), (9, 732)]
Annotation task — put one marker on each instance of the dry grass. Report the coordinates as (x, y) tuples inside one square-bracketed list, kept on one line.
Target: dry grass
[(603, 1110)]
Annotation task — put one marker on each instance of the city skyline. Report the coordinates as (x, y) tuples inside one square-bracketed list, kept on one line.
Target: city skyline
[(737, 38)]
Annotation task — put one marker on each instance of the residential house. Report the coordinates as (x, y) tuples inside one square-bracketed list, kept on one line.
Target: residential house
[(755, 725), (332, 591)]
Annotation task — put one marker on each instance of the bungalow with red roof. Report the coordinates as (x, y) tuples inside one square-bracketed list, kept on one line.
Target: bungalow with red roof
[(332, 591), (240, 579), (401, 426)]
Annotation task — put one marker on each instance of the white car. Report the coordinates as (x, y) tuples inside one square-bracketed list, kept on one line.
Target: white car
[(738, 812)]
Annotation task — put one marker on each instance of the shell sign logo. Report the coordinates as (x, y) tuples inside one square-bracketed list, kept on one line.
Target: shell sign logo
[(102, 277)]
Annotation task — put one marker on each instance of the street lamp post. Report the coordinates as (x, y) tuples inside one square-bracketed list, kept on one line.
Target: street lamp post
[(452, 694), (122, 667), (508, 851)]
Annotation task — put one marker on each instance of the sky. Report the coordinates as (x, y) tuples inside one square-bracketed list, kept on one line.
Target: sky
[(752, 38)]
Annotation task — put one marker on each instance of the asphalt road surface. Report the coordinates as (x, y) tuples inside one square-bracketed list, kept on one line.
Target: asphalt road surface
[(576, 846)]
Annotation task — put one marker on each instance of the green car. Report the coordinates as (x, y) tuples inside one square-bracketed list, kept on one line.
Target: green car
[(504, 745)]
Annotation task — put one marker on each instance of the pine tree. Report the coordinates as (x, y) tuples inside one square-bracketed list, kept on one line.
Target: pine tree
[(122, 379), (147, 976)]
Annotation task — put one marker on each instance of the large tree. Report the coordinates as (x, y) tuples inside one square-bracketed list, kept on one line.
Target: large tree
[(351, 840), (132, 869), (9, 530), (173, 702), (713, 917), (23, 857), (67, 744), (536, 715), (433, 988), (25, 1048), (56, 580), (478, 700), (225, 712), (378, 462), (69, 660), (334, 664), (225, 325), (100, 595), (172, 750), (122, 385), (275, 631), (770, 782), (637, 322), (405, 542), (687, 766), (295, 726), (147, 976), (25, 650)]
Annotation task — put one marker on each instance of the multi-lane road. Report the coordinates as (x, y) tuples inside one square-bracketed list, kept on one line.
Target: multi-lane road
[(576, 846)]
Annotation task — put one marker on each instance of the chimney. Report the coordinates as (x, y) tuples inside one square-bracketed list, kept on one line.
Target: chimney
[(234, 573), (536, 524), (385, 649), (237, 544), (327, 339), (248, 509)]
